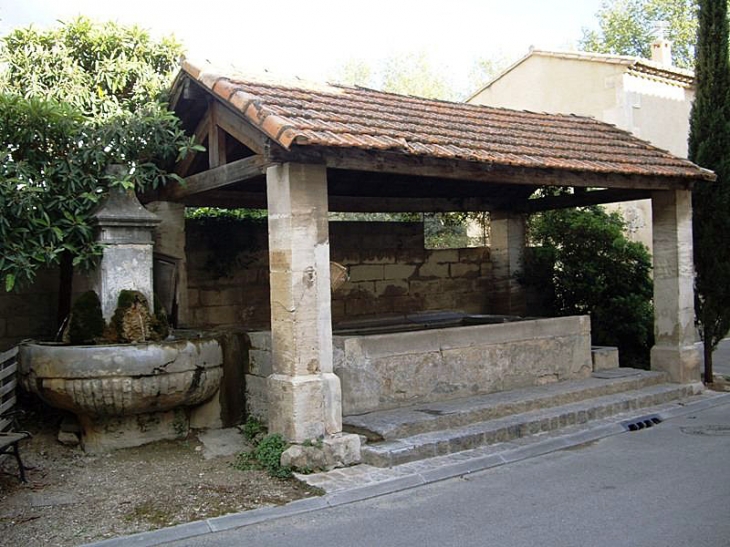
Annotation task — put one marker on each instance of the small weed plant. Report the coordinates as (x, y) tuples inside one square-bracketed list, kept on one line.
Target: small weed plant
[(253, 429), (266, 454)]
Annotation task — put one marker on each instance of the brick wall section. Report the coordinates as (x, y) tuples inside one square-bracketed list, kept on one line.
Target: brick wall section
[(390, 273)]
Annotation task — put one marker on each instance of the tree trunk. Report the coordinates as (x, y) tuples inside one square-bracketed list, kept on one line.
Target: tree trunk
[(65, 288)]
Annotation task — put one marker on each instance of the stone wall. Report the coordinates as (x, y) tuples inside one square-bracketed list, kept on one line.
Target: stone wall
[(390, 273), (30, 312), (228, 278)]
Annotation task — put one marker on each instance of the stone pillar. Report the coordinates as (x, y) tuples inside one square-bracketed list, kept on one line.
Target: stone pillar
[(507, 240), (125, 231), (674, 351), (170, 243), (304, 393)]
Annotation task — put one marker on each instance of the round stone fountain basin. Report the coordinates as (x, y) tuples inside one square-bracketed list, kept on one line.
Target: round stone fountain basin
[(124, 394)]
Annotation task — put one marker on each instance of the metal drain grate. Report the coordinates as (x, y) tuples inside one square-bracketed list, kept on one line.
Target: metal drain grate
[(644, 422)]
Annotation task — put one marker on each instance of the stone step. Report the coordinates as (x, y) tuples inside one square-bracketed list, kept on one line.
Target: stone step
[(422, 418), (419, 446)]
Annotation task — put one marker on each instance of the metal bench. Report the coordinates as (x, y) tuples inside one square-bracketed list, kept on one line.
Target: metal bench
[(9, 445), (10, 439)]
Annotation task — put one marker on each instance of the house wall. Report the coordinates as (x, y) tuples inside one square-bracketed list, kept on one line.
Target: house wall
[(652, 109), (547, 84)]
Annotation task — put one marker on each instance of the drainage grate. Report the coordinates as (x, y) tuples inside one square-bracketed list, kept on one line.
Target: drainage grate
[(644, 422)]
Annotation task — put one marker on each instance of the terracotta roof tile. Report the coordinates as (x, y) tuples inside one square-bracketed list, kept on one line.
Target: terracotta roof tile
[(301, 114)]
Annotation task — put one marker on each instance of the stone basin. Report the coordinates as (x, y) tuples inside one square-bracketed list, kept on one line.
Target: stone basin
[(124, 394)]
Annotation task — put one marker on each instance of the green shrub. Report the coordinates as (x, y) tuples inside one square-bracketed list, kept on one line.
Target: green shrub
[(584, 264)]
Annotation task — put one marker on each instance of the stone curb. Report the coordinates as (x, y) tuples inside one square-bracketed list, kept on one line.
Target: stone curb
[(406, 482)]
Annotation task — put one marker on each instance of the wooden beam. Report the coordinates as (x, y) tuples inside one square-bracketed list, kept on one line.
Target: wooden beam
[(227, 199), (384, 161), (232, 199), (581, 199), (347, 204), (201, 133), (235, 125), (216, 139), (219, 177)]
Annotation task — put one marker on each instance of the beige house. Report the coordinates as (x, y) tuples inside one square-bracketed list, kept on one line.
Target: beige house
[(650, 99)]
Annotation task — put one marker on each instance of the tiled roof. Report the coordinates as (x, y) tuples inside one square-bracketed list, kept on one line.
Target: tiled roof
[(296, 114)]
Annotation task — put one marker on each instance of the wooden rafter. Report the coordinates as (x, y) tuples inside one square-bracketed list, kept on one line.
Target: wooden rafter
[(344, 204), (216, 139), (219, 177), (201, 134), (581, 199)]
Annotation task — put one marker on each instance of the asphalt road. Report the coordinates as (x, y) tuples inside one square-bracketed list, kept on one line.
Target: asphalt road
[(667, 486), (721, 358)]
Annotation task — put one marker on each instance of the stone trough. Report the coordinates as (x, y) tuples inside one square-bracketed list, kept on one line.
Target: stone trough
[(431, 357), (125, 394)]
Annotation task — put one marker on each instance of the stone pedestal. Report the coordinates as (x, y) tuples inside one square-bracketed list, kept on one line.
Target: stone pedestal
[(125, 231), (305, 400), (507, 241), (674, 351)]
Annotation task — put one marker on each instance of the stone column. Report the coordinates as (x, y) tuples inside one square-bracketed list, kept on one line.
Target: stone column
[(304, 393), (674, 351), (170, 242), (125, 231), (507, 240)]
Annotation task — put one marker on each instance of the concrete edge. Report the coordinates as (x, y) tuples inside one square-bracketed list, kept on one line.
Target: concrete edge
[(406, 482)]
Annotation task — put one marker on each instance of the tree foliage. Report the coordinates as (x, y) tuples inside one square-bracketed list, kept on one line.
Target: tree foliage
[(74, 100), (627, 27), (406, 74), (584, 264), (709, 146), (99, 68)]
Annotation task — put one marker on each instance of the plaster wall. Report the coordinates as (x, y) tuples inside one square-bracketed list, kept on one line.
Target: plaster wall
[(547, 84)]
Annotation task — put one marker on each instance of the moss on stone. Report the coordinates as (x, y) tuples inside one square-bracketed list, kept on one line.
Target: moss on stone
[(86, 322)]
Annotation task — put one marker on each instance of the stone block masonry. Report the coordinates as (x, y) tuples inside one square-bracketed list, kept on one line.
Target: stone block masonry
[(390, 272), (228, 278)]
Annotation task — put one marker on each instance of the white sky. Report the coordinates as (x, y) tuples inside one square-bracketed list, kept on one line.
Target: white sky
[(312, 38)]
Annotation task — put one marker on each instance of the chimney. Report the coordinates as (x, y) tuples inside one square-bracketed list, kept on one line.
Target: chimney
[(661, 48)]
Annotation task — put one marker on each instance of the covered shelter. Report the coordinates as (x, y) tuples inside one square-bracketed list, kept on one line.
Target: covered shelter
[(302, 150)]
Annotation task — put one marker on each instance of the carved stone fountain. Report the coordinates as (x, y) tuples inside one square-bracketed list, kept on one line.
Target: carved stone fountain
[(125, 394)]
